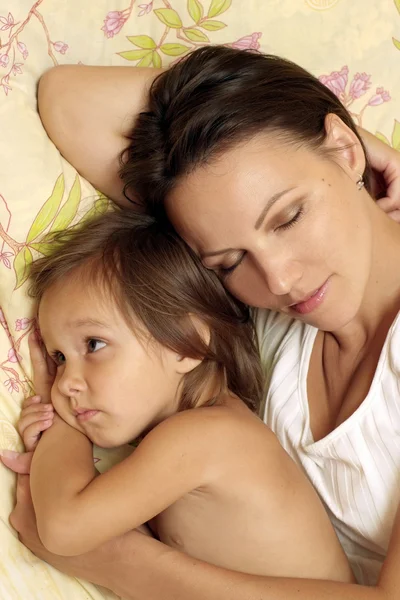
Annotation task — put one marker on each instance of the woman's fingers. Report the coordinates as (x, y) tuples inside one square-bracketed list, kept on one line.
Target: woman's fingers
[(17, 462)]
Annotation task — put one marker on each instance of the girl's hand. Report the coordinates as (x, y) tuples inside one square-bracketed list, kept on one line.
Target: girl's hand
[(37, 412), (35, 418)]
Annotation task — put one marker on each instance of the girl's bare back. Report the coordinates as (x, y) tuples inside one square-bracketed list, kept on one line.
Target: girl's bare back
[(258, 514)]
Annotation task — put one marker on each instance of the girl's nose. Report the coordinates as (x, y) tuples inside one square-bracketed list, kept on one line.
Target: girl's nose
[(71, 381)]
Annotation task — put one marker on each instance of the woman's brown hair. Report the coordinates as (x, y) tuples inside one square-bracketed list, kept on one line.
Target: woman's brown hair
[(212, 100), (157, 280)]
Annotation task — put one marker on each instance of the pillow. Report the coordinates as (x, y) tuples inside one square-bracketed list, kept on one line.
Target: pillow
[(354, 51)]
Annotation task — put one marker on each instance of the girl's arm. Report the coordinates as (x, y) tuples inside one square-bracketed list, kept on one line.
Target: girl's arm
[(135, 566), (77, 512)]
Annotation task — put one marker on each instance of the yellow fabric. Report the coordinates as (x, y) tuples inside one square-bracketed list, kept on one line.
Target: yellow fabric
[(351, 44)]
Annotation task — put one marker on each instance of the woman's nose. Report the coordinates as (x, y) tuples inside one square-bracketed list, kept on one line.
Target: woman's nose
[(71, 381), (281, 275)]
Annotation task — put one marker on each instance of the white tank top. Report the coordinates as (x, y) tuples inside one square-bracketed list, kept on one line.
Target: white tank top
[(356, 468)]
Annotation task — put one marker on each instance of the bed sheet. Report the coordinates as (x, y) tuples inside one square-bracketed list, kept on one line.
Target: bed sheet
[(352, 45)]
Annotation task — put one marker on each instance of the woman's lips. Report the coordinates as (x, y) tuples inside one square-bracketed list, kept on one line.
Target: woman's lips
[(309, 305), (86, 415)]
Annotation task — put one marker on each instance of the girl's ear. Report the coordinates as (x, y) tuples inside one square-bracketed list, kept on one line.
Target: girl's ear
[(185, 364), (345, 145)]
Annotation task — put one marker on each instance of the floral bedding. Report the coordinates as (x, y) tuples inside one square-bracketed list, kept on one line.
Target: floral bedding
[(353, 46)]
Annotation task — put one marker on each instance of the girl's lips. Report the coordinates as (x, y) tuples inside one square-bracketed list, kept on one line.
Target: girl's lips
[(86, 415), (309, 305)]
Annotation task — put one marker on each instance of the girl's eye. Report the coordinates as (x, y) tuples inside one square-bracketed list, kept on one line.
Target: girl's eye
[(223, 272), (95, 345), (58, 357), (292, 221)]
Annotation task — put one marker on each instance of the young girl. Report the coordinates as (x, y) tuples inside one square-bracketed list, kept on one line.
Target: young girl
[(147, 343)]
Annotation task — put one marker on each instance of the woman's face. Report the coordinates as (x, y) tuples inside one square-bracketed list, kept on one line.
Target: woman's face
[(286, 228)]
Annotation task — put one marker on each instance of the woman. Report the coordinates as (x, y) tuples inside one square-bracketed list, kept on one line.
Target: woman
[(275, 200)]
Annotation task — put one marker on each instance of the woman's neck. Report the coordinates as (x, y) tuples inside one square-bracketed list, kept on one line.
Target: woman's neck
[(381, 300)]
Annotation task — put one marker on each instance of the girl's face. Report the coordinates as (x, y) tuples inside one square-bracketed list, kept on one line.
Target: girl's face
[(109, 384), (284, 227)]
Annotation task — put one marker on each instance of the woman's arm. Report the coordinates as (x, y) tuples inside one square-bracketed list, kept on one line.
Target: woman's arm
[(135, 566), (87, 112), (69, 499)]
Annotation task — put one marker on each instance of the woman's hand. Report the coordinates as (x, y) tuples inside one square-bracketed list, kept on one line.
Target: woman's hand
[(385, 162)]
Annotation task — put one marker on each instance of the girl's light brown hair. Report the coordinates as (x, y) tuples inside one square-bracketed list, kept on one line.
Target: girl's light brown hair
[(157, 280)]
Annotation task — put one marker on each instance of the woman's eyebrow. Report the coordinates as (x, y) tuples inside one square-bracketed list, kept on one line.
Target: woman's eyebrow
[(258, 223), (216, 252), (269, 205)]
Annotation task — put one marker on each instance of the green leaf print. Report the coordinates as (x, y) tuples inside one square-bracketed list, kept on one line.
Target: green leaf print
[(174, 49), (195, 10), (22, 262), (146, 60), (396, 135), (217, 7), (134, 54), (169, 17), (70, 208), (195, 35), (213, 25), (48, 211), (157, 62), (142, 41)]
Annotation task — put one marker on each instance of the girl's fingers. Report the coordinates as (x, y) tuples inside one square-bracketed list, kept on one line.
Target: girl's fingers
[(29, 418), (30, 401), (32, 433)]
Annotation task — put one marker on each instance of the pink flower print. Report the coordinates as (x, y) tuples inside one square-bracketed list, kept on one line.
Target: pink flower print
[(5, 256), (60, 47), (4, 59), (113, 23), (146, 9), (22, 324), (2, 318), (13, 356), (23, 49), (380, 97), (5, 86), (248, 42), (360, 84), (6, 22), (336, 81), (17, 68), (12, 385)]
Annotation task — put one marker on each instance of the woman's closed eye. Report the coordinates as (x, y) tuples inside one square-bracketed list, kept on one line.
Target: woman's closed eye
[(292, 221), (94, 345), (224, 270)]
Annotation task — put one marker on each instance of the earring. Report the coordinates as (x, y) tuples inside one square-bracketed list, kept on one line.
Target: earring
[(360, 183)]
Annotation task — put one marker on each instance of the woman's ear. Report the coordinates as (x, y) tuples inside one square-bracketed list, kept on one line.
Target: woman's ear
[(185, 364), (343, 143)]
